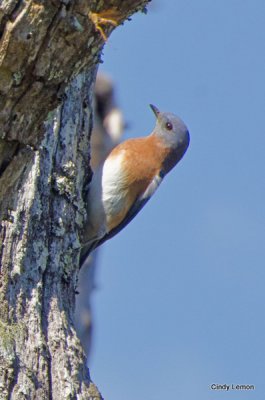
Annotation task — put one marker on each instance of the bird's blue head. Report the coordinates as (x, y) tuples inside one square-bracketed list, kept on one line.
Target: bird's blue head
[(173, 133)]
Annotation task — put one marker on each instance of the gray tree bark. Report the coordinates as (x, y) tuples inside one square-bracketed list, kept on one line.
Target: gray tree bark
[(49, 52)]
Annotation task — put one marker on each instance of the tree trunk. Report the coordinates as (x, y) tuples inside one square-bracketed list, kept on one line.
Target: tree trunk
[(49, 52)]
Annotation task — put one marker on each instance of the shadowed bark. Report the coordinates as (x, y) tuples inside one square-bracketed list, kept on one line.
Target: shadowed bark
[(49, 52), (108, 128)]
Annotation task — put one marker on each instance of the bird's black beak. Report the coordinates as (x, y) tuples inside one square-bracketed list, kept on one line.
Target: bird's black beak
[(155, 110)]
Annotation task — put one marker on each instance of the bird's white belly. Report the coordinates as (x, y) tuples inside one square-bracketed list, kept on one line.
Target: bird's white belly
[(115, 197)]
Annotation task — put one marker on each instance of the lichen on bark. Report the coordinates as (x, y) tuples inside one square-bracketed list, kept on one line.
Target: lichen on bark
[(49, 53)]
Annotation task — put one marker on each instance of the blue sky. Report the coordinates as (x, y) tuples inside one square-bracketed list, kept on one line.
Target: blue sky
[(180, 299)]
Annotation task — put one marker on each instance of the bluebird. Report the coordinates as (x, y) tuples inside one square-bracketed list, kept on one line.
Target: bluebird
[(129, 177)]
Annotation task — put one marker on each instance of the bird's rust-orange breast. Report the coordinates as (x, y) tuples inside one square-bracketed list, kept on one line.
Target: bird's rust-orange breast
[(141, 160)]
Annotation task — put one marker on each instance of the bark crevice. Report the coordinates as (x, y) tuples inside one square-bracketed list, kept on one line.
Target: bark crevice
[(49, 53)]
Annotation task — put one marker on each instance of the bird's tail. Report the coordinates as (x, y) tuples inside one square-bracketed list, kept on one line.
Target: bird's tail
[(87, 248)]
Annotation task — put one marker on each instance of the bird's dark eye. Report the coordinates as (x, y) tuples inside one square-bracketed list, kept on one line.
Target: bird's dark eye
[(169, 126)]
